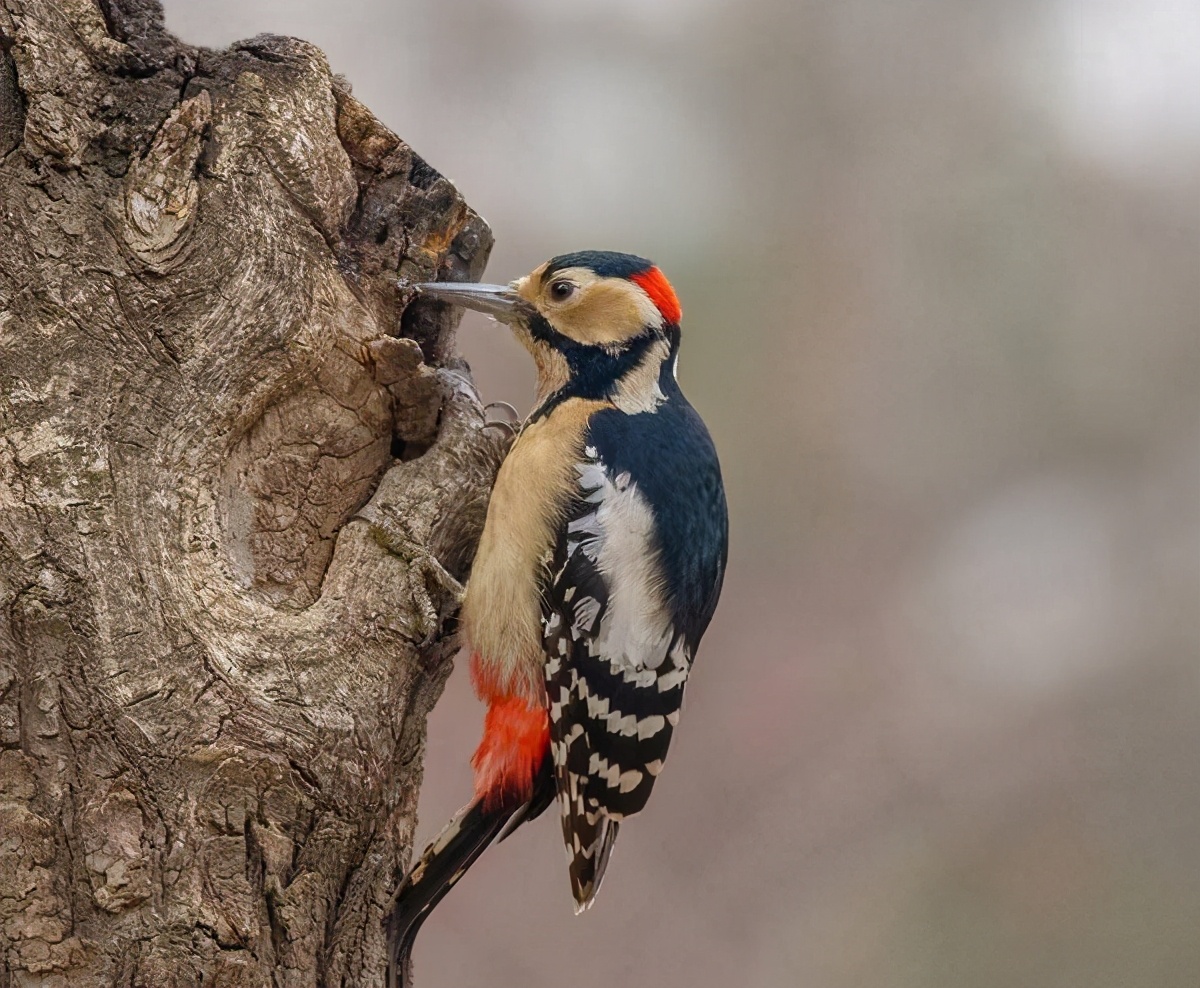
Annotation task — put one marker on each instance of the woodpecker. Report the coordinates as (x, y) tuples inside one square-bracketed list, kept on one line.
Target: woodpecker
[(598, 570)]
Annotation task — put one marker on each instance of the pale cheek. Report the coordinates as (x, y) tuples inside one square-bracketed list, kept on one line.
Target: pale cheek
[(608, 320)]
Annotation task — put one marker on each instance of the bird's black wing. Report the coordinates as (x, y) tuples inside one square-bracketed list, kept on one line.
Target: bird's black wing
[(615, 668)]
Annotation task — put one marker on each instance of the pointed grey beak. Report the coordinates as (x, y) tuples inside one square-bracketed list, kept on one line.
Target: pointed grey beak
[(496, 300)]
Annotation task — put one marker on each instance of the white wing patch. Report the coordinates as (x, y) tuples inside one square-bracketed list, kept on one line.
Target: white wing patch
[(635, 631)]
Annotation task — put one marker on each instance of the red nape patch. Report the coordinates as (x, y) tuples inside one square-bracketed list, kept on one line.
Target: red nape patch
[(654, 283), (516, 738)]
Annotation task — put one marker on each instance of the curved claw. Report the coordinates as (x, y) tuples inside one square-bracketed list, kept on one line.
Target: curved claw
[(509, 429), (511, 415)]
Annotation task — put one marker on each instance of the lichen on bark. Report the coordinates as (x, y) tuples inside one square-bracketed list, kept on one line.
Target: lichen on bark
[(240, 483)]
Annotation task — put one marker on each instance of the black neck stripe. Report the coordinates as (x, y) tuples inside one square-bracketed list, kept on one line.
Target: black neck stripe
[(594, 371)]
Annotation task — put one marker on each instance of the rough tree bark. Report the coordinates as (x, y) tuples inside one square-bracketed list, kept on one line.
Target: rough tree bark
[(238, 485)]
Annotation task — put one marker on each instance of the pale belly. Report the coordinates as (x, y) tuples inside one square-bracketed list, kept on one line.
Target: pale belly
[(501, 612)]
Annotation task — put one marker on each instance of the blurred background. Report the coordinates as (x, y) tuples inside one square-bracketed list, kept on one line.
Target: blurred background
[(940, 268)]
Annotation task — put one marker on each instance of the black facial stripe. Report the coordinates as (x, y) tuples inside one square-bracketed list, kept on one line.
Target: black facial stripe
[(541, 330)]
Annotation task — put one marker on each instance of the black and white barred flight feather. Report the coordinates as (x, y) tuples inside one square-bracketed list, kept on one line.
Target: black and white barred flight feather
[(615, 667)]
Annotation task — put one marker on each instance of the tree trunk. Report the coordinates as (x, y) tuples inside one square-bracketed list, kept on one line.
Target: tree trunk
[(239, 484)]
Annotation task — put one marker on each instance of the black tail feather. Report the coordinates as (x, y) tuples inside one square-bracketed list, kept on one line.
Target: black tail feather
[(445, 861), (451, 853), (542, 799)]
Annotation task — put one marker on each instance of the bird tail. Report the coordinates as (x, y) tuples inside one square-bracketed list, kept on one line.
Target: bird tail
[(445, 861)]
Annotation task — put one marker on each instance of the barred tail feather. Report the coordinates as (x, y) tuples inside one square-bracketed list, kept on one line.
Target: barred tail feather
[(444, 862), (447, 858)]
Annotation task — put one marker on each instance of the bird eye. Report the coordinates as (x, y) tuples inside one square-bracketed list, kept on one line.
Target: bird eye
[(560, 291)]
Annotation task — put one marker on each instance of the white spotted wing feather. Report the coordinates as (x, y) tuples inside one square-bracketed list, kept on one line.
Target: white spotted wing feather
[(615, 667)]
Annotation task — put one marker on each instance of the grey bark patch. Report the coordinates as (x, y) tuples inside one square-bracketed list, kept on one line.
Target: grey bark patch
[(225, 607)]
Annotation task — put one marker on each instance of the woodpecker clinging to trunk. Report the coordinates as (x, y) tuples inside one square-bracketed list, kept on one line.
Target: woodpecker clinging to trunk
[(597, 573)]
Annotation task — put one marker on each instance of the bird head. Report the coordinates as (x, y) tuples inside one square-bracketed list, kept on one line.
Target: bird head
[(591, 317)]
